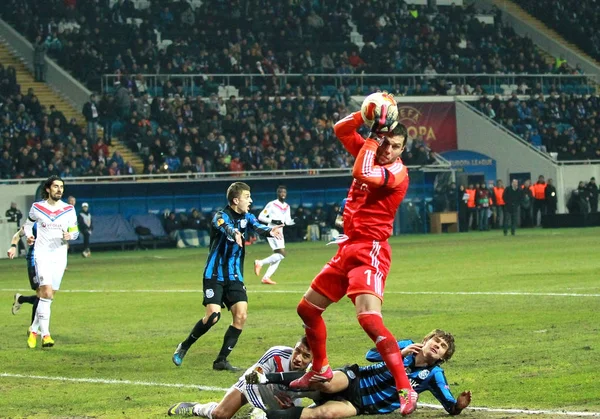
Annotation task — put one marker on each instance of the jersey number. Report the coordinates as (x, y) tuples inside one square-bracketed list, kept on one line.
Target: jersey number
[(368, 274)]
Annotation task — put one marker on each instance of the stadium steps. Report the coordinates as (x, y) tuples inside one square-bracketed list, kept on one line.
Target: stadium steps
[(47, 96), (516, 10)]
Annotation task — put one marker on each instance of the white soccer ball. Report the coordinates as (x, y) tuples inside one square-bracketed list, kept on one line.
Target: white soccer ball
[(371, 107)]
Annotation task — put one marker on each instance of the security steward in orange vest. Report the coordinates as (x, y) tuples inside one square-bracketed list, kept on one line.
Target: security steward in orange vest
[(499, 203), (539, 199), (472, 208)]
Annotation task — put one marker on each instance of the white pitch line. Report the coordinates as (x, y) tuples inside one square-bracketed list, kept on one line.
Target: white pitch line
[(272, 291), (109, 381), (524, 411), (208, 388)]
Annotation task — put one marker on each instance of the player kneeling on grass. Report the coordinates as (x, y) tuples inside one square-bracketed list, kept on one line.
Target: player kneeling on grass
[(278, 359), (370, 390)]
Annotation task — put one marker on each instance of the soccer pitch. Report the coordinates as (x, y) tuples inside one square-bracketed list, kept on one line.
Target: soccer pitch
[(525, 312)]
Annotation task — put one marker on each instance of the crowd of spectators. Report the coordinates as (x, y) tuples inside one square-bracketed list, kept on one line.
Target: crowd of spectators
[(272, 37), (568, 125), (576, 20), (38, 141)]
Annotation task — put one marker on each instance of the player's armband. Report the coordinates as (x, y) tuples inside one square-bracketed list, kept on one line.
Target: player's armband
[(72, 229)]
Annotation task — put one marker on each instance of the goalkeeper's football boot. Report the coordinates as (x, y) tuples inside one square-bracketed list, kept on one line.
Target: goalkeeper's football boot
[(47, 342), (408, 401), (182, 409), (16, 305), (312, 377), (32, 340), (179, 354)]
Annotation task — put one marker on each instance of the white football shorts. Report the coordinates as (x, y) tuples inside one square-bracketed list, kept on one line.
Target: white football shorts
[(276, 243), (50, 269)]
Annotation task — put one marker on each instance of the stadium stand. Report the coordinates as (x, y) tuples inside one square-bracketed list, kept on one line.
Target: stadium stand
[(576, 20), (562, 124)]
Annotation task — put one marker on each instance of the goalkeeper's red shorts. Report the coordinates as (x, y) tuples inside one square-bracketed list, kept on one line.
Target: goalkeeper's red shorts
[(357, 268)]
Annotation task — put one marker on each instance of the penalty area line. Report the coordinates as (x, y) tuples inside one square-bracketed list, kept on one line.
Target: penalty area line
[(209, 388), (272, 291)]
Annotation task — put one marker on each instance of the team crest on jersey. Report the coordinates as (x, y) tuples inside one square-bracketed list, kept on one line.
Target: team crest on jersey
[(220, 222), (423, 374), (209, 293), (351, 374), (243, 223)]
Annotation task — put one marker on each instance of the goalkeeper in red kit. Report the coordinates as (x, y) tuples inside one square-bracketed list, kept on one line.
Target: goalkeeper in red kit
[(361, 264)]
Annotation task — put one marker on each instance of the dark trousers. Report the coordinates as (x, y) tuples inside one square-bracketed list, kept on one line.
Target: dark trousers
[(594, 205), (539, 205), (86, 240), (39, 71), (513, 215)]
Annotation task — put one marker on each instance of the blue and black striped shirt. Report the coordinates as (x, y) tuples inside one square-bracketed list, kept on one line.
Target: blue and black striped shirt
[(225, 258), (30, 253), (378, 387)]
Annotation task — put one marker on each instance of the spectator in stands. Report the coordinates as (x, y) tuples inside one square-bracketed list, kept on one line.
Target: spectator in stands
[(91, 114), (122, 101), (172, 224), (84, 222), (39, 59), (197, 221), (108, 116), (7, 166)]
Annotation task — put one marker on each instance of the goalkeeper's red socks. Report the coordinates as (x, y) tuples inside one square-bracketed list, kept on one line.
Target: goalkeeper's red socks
[(316, 332), (372, 323)]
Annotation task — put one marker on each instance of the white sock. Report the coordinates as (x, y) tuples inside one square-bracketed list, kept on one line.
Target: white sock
[(43, 314), (204, 410), (275, 257), (35, 326), (272, 268)]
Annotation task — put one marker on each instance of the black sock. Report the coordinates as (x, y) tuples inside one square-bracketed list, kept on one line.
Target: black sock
[(284, 378), (29, 299), (229, 342), (34, 308), (291, 413), (199, 329)]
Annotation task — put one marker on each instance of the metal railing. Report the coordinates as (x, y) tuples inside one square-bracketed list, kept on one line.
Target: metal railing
[(440, 165), (363, 82)]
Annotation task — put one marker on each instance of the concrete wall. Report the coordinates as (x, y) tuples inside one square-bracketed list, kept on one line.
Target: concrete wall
[(512, 155), (23, 195), (56, 77)]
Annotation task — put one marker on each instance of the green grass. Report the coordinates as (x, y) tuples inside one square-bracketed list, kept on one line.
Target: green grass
[(524, 351)]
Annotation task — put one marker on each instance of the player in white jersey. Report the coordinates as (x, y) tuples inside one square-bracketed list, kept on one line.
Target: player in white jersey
[(276, 359), (276, 213), (56, 224)]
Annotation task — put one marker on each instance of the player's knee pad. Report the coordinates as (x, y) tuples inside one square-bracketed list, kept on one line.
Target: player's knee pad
[(213, 319)]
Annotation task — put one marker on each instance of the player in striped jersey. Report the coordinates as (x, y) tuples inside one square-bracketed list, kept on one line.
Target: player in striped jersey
[(20, 299), (370, 390), (56, 225), (223, 282), (277, 359)]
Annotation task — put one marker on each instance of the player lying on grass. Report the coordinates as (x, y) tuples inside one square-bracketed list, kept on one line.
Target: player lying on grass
[(371, 390), (277, 359)]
